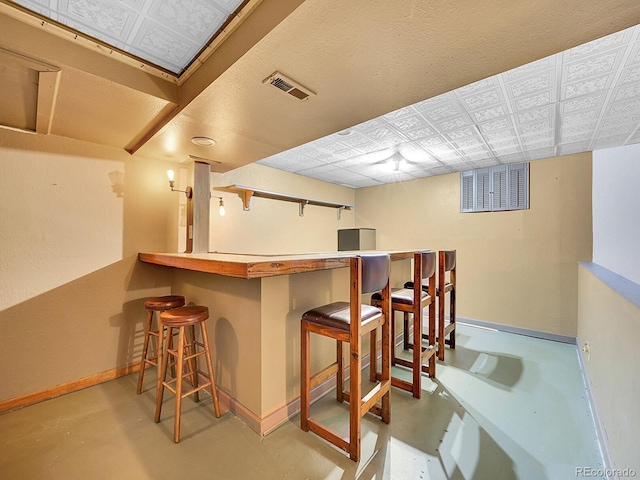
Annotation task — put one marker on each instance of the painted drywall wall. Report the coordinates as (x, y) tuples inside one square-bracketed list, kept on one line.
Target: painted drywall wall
[(611, 326), (74, 216), (273, 226), (515, 268), (616, 213)]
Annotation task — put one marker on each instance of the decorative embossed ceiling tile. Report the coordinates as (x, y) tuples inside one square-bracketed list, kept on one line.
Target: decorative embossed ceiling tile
[(579, 100), (168, 34)]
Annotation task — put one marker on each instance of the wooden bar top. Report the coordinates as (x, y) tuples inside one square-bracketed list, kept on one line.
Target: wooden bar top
[(247, 266)]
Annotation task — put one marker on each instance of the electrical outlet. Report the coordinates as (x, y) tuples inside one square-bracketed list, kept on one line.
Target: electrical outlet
[(586, 348)]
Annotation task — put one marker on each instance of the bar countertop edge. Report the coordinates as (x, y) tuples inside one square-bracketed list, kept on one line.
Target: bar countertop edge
[(257, 266)]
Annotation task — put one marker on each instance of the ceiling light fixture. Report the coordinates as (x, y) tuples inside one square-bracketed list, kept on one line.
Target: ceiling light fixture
[(345, 133), (203, 141)]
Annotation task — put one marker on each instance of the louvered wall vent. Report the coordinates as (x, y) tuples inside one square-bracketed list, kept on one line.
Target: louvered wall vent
[(289, 86)]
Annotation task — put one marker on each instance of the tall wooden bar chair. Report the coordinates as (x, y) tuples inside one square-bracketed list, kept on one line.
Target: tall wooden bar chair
[(184, 319), (153, 306), (347, 322), (413, 301), (447, 263)]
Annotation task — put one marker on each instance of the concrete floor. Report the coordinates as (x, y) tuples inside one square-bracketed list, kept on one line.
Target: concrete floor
[(503, 406)]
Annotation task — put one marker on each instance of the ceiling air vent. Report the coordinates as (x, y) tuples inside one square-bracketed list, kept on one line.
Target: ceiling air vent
[(289, 86)]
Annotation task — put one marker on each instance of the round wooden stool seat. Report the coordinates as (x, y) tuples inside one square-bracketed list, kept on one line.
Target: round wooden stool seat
[(184, 316), (153, 305), (164, 303)]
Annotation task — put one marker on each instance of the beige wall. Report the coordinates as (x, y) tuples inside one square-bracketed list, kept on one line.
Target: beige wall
[(514, 268), (611, 325), (273, 226), (72, 288)]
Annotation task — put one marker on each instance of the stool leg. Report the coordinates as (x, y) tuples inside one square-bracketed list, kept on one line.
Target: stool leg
[(304, 376), (207, 354), (417, 351), (340, 374), (373, 355), (405, 337), (191, 351), (163, 359), (147, 329), (180, 373)]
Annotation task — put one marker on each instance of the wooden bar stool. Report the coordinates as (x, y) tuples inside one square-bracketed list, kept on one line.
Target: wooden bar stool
[(447, 263), (157, 304), (347, 322), (413, 301), (186, 351)]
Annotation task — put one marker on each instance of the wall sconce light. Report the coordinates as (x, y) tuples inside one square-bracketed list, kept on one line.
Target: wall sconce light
[(222, 211), (188, 192)]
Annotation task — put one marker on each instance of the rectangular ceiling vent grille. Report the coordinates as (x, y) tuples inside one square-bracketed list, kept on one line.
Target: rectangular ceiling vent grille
[(287, 85)]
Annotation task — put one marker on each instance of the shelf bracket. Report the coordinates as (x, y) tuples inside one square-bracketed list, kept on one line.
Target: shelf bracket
[(246, 199), (340, 211), (302, 204)]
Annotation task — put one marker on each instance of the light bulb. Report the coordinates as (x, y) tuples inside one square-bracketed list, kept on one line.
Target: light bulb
[(171, 175), (222, 212)]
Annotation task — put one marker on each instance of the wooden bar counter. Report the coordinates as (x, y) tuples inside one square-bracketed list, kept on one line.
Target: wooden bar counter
[(255, 304)]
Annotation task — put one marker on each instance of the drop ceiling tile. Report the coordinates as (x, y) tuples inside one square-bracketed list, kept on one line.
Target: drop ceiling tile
[(430, 103), (462, 133), (420, 133), (575, 138), (608, 142), (538, 140), (487, 162), (585, 87), (354, 140), (534, 101), (535, 114), (490, 113), (583, 116), (626, 92), (410, 122), (529, 69), (579, 129), (442, 112), (453, 123), (483, 100), (396, 177), (369, 125), (427, 143), (592, 66), (630, 75), (512, 158), (292, 163), (401, 112), (599, 45), (494, 125), (310, 150), (530, 85), (477, 86), (535, 127), (570, 148), (540, 153), (583, 103), (501, 136)]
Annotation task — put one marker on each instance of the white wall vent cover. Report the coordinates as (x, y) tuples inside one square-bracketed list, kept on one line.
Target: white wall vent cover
[(289, 86)]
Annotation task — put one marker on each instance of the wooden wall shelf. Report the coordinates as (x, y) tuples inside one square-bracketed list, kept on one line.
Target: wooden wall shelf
[(247, 193)]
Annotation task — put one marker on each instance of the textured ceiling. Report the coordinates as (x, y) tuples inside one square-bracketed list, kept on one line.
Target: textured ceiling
[(168, 34), (582, 99)]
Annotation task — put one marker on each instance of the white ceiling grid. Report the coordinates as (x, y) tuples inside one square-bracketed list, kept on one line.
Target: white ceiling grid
[(583, 99), (166, 33)]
